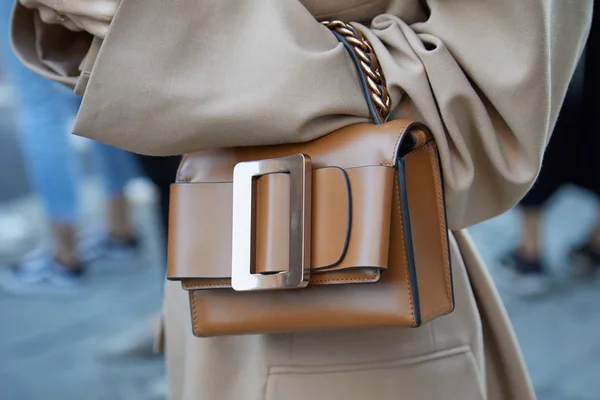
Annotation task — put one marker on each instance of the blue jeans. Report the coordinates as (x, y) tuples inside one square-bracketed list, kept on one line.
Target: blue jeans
[(44, 110)]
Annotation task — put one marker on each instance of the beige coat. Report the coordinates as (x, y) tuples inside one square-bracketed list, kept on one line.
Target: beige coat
[(487, 76)]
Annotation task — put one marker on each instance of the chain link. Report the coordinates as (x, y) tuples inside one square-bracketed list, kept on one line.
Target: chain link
[(368, 63)]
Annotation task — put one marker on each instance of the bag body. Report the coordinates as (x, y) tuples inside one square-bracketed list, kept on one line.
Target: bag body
[(375, 251)]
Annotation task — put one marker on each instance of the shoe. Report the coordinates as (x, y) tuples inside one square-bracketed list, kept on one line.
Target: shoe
[(99, 244), (40, 273), (585, 260), (523, 277)]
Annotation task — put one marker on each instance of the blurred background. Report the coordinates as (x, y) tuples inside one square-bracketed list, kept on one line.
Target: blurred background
[(82, 252), (89, 337)]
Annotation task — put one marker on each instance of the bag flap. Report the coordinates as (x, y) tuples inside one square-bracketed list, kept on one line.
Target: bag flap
[(354, 146), (350, 227)]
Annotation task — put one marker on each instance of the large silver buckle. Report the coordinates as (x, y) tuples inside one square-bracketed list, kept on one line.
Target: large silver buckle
[(244, 175)]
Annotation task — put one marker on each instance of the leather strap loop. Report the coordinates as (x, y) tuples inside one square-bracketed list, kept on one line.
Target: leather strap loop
[(351, 208)]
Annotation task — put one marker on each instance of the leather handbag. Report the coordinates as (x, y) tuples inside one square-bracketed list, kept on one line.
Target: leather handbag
[(344, 232)]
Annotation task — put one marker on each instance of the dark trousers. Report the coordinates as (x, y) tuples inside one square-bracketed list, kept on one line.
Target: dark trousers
[(162, 171), (573, 154)]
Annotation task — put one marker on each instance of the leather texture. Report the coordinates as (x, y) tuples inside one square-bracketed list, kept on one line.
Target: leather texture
[(379, 245), (333, 249)]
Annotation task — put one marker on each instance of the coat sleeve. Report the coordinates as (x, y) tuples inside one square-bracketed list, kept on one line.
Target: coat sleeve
[(487, 76), (51, 51)]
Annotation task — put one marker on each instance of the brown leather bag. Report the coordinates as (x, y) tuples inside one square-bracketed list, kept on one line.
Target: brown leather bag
[(347, 231)]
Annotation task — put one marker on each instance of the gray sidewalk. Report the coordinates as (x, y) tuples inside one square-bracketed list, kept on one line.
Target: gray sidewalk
[(560, 332), (52, 347)]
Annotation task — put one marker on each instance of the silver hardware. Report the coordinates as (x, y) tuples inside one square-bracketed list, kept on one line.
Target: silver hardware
[(244, 174)]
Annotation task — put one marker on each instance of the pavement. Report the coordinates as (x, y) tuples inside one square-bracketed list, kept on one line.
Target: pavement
[(559, 332), (54, 347)]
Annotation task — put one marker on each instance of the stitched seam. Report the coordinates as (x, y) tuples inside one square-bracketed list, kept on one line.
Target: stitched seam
[(439, 198), (425, 147), (443, 233), (345, 280), (194, 315), (408, 288), (224, 285)]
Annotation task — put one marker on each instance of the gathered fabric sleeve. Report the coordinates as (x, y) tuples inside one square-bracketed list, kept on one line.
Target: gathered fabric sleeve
[(487, 76), (49, 50)]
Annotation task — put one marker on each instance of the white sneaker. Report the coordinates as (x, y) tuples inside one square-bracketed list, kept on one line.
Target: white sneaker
[(39, 274)]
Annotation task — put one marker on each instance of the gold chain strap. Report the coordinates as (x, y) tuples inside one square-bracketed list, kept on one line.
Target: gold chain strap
[(368, 63)]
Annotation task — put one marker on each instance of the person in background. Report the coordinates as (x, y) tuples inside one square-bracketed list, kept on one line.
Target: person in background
[(161, 171), (44, 112), (571, 158)]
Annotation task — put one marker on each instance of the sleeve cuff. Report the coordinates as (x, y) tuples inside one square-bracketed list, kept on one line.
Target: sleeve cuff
[(51, 51)]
